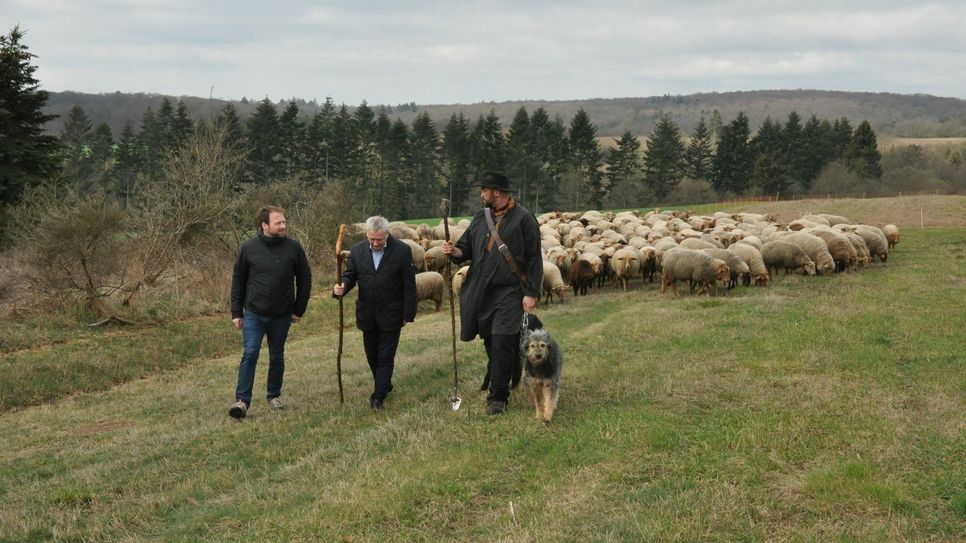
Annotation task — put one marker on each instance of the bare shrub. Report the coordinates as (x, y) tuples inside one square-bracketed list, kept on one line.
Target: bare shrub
[(73, 248), (186, 203)]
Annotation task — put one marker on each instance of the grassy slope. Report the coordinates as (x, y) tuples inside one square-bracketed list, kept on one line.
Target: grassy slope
[(815, 409)]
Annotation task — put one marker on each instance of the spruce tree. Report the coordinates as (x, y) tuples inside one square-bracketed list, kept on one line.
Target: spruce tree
[(862, 155), (27, 154), (128, 163), (488, 150), (75, 142), (771, 167), (700, 152), (793, 137), (456, 162), (624, 170), (291, 133), (733, 159), (265, 150), (587, 160), (424, 161), (664, 158)]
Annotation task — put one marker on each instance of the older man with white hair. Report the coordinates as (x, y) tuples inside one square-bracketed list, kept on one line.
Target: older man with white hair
[(382, 266)]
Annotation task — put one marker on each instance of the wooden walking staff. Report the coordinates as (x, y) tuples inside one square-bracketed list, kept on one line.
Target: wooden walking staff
[(455, 400), (339, 262)]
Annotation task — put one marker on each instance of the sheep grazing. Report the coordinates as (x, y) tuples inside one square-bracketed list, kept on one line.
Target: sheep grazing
[(751, 256), (834, 219), (861, 249), (891, 232), (736, 266), (816, 249), (429, 286), (785, 256), (401, 231), (458, 279), (839, 247), (626, 263), (553, 282), (582, 275), (694, 267), (875, 240)]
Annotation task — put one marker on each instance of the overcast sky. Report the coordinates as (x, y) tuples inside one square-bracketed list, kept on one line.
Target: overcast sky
[(391, 52)]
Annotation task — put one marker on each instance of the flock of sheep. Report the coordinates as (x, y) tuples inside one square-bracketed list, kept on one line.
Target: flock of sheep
[(583, 252)]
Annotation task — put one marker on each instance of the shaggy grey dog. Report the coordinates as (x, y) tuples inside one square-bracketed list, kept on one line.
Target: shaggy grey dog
[(542, 372)]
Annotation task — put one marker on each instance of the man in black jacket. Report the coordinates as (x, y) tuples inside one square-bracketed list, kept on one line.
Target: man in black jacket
[(383, 268), (265, 302), (496, 293)]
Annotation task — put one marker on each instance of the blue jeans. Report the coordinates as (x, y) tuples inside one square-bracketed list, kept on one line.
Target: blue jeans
[(254, 328)]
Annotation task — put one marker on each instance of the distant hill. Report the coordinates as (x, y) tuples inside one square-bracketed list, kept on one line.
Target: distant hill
[(898, 115)]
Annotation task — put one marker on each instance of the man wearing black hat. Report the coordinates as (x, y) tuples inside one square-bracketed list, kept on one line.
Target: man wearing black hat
[(506, 271)]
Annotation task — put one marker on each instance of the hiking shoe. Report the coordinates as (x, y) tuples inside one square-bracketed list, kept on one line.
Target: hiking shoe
[(495, 408), (276, 403), (238, 410), (376, 404)]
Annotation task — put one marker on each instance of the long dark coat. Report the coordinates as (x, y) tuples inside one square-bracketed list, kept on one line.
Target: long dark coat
[(491, 298), (387, 296)]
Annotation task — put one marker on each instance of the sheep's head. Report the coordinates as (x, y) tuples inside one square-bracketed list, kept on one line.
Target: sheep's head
[(721, 271), (809, 268), (762, 279)]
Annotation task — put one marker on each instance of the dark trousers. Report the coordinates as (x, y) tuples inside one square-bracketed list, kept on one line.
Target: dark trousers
[(503, 351), (380, 348), (254, 328)]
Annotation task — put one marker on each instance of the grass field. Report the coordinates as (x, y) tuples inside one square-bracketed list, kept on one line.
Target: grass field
[(817, 409)]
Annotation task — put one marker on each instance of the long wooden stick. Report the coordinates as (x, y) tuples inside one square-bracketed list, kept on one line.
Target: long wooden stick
[(455, 400), (338, 265)]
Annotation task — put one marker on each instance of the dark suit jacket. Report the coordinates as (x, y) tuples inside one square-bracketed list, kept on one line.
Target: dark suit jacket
[(387, 296)]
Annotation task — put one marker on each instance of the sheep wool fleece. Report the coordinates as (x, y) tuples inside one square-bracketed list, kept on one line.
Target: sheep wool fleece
[(491, 299)]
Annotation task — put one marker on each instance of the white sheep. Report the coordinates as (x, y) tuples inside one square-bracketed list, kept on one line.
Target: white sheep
[(785, 256), (751, 256), (625, 263), (553, 282), (692, 266), (429, 286), (891, 232)]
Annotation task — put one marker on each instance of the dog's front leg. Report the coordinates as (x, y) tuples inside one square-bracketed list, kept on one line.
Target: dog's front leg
[(549, 402), (538, 398)]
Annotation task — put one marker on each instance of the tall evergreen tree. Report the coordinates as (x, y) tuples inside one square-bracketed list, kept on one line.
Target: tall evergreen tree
[(733, 160), (624, 170), (587, 160), (128, 163), (149, 145), (521, 165), (841, 136), (487, 146), (166, 125), (265, 149), (816, 149), (398, 193), (664, 158), (862, 155), (344, 146), (182, 126), (793, 137), (291, 137), (771, 167), (27, 154), (318, 142), (456, 162), (544, 141), (228, 119), (700, 152), (424, 158), (102, 158), (75, 141)]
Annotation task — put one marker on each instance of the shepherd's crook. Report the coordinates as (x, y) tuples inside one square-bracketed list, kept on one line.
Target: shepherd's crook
[(455, 401), (338, 265)]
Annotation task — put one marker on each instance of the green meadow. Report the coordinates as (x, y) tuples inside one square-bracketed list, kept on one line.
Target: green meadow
[(815, 409)]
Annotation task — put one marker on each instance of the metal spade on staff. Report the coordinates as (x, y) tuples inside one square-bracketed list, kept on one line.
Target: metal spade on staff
[(339, 261), (455, 400)]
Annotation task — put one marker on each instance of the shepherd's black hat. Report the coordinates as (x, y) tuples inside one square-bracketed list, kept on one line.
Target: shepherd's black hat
[(494, 180)]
